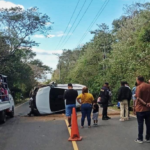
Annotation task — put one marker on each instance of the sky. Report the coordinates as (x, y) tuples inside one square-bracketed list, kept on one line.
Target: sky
[(60, 12)]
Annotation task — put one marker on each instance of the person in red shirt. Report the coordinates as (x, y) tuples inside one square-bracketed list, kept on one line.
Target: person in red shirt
[(143, 108), (6, 94), (2, 92)]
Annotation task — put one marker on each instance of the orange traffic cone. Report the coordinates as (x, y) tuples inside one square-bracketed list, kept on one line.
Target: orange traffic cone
[(74, 128)]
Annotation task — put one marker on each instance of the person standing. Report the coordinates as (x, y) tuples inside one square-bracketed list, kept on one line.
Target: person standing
[(85, 99), (2, 92), (124, 95), (133, 97), (70, 96), (31, 105), (129, 101), (95, 112), (143, 110), (104, 96), (133, 92)]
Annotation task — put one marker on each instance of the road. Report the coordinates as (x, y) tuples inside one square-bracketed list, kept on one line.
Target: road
[(23, 133), (51, 133)]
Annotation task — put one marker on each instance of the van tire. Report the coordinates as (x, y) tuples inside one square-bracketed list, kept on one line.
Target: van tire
[(11, 114), (2, 117)]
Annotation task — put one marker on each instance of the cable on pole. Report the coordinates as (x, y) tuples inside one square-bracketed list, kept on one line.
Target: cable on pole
[(78, 22), (68, 23), (74, 22), (94, 20)]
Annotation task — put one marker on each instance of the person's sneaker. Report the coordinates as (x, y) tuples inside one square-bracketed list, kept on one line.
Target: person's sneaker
[(126, 119), (138, 141), (104, 118), (147, 141), (121, 119), (108, 117)]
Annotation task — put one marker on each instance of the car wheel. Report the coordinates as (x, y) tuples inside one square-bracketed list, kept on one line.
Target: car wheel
[(2, 117)]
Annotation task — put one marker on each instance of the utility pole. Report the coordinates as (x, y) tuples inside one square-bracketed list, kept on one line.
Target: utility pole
[(104, 53)]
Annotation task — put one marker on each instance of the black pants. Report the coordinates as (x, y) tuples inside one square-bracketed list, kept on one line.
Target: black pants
[(104, 113), (141, 116)]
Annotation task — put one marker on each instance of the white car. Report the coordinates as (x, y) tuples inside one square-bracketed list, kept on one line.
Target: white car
[(6, 106), (49, 99)]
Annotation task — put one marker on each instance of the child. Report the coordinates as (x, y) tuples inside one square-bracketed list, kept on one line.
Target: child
[(95, 112)]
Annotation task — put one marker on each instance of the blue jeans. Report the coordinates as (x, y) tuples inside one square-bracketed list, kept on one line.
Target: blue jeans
[(69, 109), (141, 116), (86, 111)]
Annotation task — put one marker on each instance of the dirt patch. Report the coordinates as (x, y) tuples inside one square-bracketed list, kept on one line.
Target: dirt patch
[(62, 116)]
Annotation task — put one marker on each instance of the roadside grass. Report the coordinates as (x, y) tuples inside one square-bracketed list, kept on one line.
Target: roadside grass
[(117, 109), (21, 101)]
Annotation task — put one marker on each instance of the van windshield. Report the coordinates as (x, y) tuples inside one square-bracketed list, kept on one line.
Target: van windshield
[(56, 99)]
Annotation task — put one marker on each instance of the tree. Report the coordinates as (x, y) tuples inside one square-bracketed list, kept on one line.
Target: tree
[(18, 25), (113, 56), (39, 69)]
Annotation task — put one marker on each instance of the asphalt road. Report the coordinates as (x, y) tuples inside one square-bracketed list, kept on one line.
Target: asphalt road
[(23, 133), (48, 133), (112, 135)]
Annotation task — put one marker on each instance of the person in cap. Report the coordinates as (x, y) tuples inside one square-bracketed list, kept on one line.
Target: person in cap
[(70, 96), (104, 96)]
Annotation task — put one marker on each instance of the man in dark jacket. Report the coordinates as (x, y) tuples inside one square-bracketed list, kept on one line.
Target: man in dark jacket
[(104, 95), (124, 96)]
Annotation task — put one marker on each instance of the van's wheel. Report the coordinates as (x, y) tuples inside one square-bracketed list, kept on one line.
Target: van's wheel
[(2, 117), (11, 114)]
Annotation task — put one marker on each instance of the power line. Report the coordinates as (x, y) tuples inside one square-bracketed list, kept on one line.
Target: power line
[(68, 23), (94, 20), (79, 22), (74, 21)]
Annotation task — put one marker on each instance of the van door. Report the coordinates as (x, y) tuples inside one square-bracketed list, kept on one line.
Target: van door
[(57, 102)]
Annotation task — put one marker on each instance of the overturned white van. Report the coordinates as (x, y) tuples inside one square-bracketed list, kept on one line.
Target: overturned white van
[(49, 99)]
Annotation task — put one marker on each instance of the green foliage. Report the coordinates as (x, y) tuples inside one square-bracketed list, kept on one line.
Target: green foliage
[(16, 56), (126, 50)]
